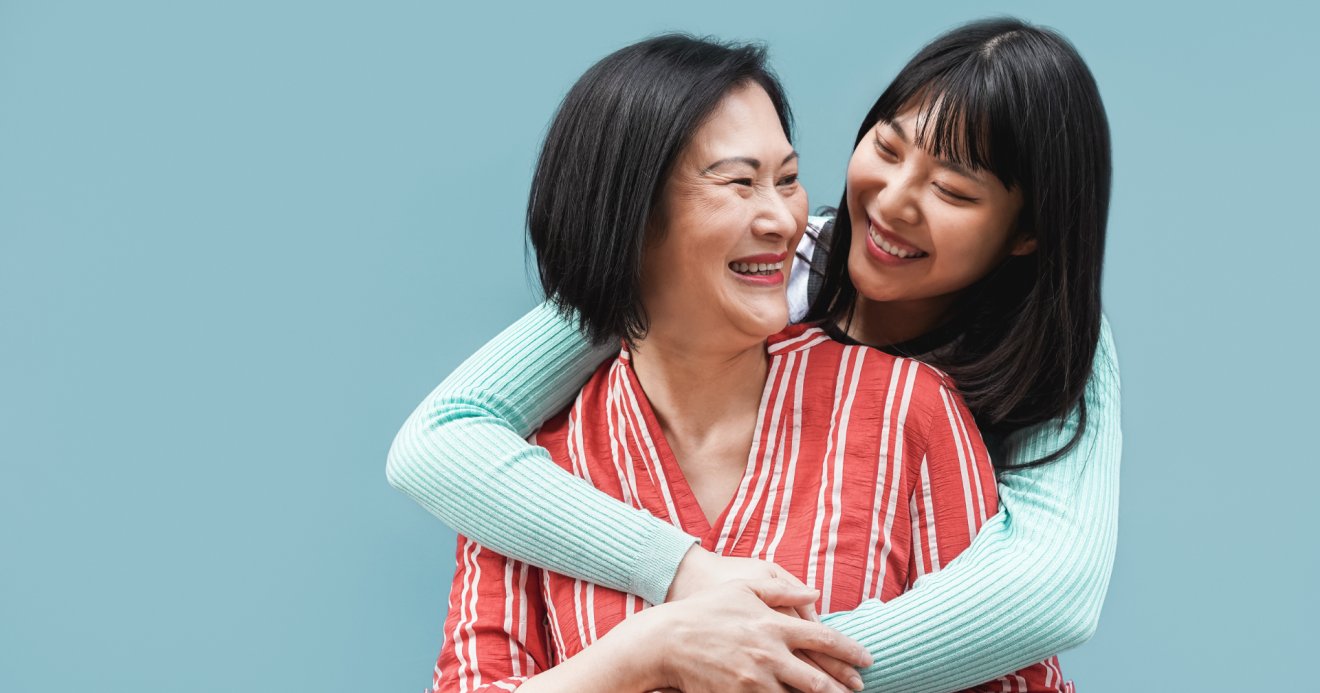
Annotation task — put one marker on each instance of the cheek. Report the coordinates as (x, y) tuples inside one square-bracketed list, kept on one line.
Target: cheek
[(865, 168), (970, 246)]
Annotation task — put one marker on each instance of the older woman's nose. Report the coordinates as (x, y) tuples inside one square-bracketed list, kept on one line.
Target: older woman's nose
[(775, 216)]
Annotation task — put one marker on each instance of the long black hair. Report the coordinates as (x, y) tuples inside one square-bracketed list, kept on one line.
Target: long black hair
[(605, 160), (1018, 101)]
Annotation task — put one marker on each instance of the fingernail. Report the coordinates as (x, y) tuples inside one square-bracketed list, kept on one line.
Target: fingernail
[(856, 682)]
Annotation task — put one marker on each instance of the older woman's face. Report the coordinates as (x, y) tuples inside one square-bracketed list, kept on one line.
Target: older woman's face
[(726, 229)]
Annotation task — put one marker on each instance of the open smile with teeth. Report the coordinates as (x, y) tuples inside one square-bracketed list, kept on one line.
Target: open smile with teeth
[(890, 248), (756, 269)]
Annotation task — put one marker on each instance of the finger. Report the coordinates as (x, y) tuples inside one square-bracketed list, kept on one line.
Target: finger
[(807, 612), (778, 592), (838, 669), (817, 637), (799, 674)]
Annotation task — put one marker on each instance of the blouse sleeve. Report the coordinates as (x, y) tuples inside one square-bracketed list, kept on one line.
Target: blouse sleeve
[(1032, 582), (462, 456)]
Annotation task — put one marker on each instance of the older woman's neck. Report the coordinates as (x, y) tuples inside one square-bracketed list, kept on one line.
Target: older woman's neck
[(696, 388)]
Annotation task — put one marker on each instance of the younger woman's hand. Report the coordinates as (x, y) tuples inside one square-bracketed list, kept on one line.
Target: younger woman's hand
[(731, 638), (702, 570)]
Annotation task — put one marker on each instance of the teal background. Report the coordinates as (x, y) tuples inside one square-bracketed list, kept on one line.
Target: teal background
[(239, 242)]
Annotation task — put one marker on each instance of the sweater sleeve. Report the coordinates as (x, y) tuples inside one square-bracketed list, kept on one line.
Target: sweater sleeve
[(462, 456), (1032, 582)]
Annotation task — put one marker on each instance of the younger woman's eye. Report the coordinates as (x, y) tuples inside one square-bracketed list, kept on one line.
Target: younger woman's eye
[(957, 196), (884, 147)]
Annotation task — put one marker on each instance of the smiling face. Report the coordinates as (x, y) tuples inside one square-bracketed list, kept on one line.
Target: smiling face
[(725, 230), (923, 229)]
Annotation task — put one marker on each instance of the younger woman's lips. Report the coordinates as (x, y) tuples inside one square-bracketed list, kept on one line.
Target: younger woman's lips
[(883, 256)]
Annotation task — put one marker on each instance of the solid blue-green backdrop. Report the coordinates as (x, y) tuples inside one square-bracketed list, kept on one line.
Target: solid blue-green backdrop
[(240, 240)]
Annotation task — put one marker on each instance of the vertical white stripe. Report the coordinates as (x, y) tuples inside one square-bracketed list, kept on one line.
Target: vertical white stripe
[(795, 425), (774, 484), (515, 660), (918, 559), (836, 414), (883, 475), (522, 618), (966, 438), (836, 500), (962, 465), (460, 643), (652, 459), (740, 510), (581, 464), (579, 606), (474, 668), (927, 499), (618, 433), (591, 611), (900, 439), (556, 634)]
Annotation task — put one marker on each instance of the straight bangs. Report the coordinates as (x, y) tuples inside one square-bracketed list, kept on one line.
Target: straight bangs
[(966, 113)]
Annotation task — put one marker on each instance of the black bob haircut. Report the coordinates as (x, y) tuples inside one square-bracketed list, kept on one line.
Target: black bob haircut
[(1016, 100), (605, 161)]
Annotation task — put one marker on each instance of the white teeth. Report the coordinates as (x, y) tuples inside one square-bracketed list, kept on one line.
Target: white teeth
[(890, 248), (756, 267)]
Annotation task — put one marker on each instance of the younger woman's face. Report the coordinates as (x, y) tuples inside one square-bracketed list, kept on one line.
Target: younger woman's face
[(924, 229), (728, 222)]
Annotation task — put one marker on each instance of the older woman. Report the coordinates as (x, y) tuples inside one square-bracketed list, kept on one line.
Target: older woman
[(664, 212)]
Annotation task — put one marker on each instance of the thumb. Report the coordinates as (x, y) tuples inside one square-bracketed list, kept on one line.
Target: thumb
[(779, 592)]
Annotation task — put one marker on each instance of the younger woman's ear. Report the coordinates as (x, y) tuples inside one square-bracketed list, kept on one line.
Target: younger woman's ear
[(1024, 245)]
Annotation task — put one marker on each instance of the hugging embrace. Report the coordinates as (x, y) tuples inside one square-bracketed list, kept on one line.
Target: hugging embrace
[(876, 450)]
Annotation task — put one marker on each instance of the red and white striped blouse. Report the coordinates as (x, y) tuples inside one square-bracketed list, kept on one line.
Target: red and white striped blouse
[(866, 472)]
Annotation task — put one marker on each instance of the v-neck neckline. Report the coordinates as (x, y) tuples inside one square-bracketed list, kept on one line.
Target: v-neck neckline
[(691, 515)]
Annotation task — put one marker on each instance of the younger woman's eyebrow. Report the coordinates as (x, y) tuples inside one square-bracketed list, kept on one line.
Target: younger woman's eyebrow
[(745, 160), (949, 164)]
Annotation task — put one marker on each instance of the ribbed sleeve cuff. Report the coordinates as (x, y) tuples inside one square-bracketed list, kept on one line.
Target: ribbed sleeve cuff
[(657, 561)]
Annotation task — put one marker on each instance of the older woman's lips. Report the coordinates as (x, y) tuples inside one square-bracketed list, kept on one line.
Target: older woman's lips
[(886, 247), (766, 269)]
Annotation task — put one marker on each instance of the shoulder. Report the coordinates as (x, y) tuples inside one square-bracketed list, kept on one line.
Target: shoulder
[(905, 382), (593, 397)]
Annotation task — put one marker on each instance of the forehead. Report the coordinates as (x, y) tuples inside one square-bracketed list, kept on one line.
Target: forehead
[(923, 124), (744, 123)]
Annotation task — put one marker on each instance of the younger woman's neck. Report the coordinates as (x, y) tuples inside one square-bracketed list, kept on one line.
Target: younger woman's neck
[(696, 388), (884, 323)]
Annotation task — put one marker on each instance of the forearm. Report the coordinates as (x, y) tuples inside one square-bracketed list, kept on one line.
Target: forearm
[(462, 456), (1032, 582)]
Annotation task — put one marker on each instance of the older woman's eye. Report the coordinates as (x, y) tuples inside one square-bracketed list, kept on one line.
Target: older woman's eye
[(743, 181), (788, 180)]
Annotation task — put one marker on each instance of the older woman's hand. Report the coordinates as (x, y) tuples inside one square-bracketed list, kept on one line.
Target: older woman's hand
[(736, 634)]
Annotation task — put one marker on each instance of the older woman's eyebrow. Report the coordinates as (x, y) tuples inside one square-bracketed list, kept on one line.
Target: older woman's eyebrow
[(745, 160)]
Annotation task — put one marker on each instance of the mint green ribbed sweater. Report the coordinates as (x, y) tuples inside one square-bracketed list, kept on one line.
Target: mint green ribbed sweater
[(1030, 585)]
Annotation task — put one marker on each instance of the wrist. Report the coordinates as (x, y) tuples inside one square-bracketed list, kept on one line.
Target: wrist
[(690, 577), (641, 642)]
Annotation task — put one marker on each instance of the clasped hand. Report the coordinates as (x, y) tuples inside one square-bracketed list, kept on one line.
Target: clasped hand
[(741, 624)]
